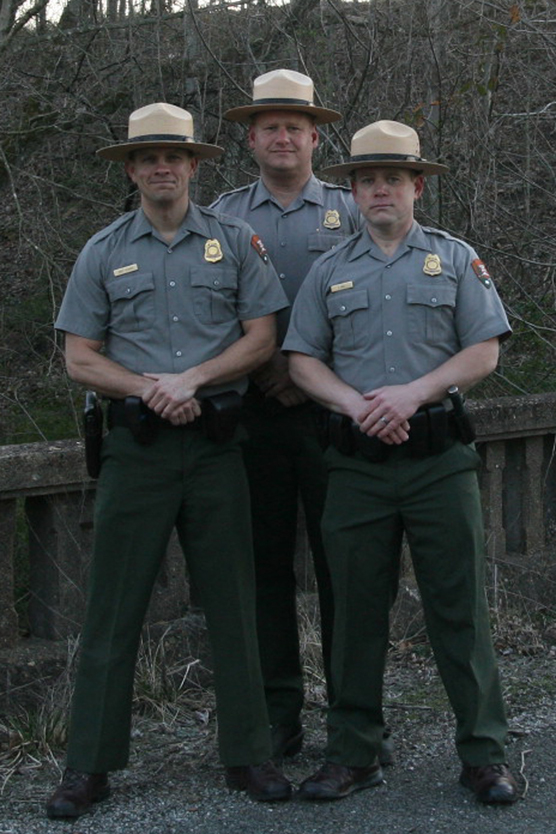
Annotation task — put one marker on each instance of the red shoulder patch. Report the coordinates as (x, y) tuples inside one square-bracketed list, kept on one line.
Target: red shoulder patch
[(259, 248), (481, 272)]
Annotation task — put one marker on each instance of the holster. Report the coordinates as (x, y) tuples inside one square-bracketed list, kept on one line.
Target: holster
[(220, 416), (141, 421), (92, 429), (429, 431)]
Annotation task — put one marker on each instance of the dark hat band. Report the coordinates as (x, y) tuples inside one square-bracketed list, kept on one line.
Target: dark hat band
[(284, 101), (161, 137), (384, 157)]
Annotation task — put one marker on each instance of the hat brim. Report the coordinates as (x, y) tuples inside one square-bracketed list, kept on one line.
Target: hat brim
[(321, 115), (119, 153), (424, 167)]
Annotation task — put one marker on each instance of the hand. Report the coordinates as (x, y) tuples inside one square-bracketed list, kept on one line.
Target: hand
[(274, 380), (386, 413), (172, 397)]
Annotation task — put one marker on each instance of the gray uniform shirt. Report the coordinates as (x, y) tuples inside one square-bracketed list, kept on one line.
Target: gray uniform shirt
[(379, 320), (164, 308), (322, 216)]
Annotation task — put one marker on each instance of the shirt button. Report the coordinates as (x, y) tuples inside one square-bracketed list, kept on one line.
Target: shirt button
[(388, 266), (128, 289), (282, 243), (216, 283), (169, 251), (433, 300), (388, 332), (343, 308), (391, 370), (172, 283), (175, 318), (387, 297), (178, 353), (282, 276)]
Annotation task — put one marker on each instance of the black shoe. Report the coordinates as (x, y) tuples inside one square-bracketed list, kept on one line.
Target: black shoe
[(286, 740), (491, 783), (76, 793), (334, 781), (263, 782)]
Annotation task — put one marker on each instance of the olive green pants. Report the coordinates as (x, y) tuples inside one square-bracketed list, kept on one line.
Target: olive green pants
[(185, 481), (436, 502)]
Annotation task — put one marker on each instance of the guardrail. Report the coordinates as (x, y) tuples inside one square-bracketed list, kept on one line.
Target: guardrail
[(46, 492)]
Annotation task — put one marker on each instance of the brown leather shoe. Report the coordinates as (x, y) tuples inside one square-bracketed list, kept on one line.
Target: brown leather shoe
[(76, 793), (334, 781), (263, 782), (491, 783)]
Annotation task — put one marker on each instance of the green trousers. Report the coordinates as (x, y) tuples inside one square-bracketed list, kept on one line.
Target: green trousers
[(436, 502), (285, 463), (185, 481)]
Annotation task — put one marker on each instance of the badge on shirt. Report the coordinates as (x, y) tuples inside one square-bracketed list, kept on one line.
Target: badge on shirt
[(332, 219), (346, 285), (213, 251), (432, 265), (124, 270), (482, 273), (259, 248)]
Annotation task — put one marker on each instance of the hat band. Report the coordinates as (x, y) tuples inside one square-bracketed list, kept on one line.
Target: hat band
[(161, 137), (284, 101), (384, 157)]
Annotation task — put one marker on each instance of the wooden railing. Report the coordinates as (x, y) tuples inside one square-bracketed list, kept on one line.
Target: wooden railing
[(46, 517)]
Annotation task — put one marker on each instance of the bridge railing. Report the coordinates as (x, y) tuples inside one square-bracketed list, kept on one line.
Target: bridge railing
[(46, 500)]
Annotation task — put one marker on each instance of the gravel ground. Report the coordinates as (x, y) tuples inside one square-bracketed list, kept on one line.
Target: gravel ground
[(174, 784)]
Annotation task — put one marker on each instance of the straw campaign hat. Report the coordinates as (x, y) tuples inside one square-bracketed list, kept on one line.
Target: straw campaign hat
[(283, 89), (159, 125), (386, 144)]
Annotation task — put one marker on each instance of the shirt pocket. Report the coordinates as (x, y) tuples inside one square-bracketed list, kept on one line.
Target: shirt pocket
[(131, 302), (323, 241), (214, 294), (431, 310), (349, 314)]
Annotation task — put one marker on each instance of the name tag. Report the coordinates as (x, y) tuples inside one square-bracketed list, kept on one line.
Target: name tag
[(347, 285), (123, 270)]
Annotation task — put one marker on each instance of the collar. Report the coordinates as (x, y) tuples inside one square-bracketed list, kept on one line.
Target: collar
[(311, 193), (192, 222), (364, 244)]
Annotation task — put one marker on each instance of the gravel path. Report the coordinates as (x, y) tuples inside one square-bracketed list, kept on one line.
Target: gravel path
[(174, 784)]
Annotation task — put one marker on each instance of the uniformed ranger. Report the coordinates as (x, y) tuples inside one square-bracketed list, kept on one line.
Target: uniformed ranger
[(384, 331), (166, 312), (299, 217)]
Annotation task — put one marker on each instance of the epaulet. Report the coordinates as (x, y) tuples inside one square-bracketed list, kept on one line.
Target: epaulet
[(447, 236), (334, 186), (345, 244), (222, 217), (114, 226), (440, 233), (230, 193)]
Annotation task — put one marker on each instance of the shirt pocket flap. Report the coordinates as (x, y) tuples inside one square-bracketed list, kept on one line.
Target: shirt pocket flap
[(432, 295), (128, 286), (323, 241), (346, 303), (213, 279)]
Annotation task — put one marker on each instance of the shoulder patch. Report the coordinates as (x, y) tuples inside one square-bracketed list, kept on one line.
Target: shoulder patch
[(259, 248), (482, 273)]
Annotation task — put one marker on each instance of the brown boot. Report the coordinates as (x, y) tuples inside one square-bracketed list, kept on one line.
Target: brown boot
[(490, 783), (334, 781), (263, 782), (76, 793)]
